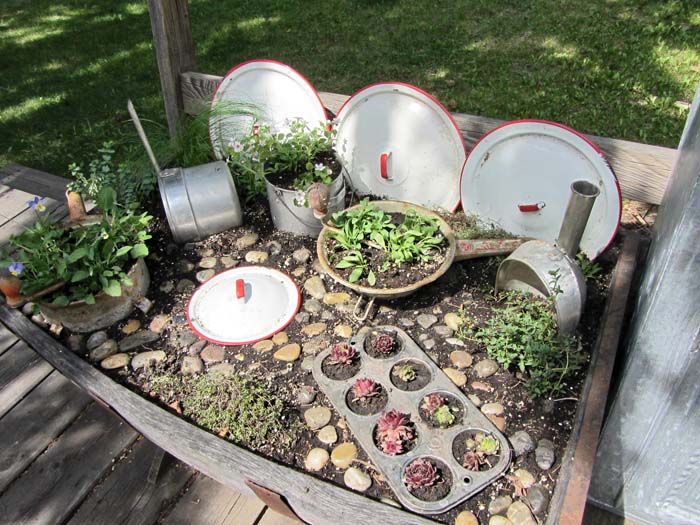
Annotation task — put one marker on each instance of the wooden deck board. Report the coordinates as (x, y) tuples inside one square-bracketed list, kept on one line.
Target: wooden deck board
[(55, 484), (273, 518), (126, 496), (35, 422), (210, 503), (7, 338), (21, 369), (33, 181)]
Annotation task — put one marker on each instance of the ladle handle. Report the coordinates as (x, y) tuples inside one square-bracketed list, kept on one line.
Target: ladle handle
[(142, 135), (475, 248)]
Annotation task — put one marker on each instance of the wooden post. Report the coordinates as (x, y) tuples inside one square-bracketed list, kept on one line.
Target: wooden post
[(170, 22)]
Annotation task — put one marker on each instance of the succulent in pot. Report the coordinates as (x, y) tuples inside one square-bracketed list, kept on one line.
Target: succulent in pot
[(394, 432), (420, 473)]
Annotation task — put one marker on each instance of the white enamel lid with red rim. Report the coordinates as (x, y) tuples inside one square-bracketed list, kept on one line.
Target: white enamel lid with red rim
[(398, 142), (243, 305), (519, 175), (277, 93)]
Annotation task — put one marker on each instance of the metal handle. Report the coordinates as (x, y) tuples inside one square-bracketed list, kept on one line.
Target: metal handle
[(527, 208), (240, 289), (384, 165), (142, 135)]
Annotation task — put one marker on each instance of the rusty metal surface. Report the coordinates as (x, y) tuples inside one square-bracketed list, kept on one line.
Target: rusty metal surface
[(273, 500)]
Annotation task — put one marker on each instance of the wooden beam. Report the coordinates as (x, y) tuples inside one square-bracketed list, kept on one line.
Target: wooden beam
[(34, 182), (641, 169), (170, 23)]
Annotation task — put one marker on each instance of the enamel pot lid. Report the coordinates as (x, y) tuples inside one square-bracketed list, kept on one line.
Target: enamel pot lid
[(275, 92), (243, 305), (398, 142), (519, 175)]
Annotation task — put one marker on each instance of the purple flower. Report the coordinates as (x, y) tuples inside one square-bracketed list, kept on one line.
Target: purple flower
[(16, 268), (319, 166), (35, 204)]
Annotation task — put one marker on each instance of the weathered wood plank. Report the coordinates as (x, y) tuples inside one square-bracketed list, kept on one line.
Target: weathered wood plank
[(53, 486), (126, 496), (7, 338), (35, 422), (12, 202), (170, 23), (273, 518), (21, 369), (641, 169), (210, 503), (33, 181)]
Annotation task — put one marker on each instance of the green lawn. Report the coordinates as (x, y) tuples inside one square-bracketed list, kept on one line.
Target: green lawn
[(614, 68)]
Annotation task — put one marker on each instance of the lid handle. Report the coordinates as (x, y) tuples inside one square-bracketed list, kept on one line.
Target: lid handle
[(384, 165), (240, 289), (527, 208)]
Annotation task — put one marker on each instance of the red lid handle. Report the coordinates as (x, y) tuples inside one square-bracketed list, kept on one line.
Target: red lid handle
[(527, 208), (384, 165), (240, 289)]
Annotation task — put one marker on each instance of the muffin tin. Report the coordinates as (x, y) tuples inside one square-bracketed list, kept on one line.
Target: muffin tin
[(431, 443)]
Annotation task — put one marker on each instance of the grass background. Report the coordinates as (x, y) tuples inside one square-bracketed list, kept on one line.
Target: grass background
[(619, 68)]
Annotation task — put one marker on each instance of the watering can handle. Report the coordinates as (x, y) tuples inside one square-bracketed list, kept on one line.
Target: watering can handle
[(384, 165), (142, 135), (475, 248), (240, 289), (527, 208)]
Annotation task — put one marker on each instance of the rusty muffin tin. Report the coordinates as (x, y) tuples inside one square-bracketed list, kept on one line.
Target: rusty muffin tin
[(430, 442)]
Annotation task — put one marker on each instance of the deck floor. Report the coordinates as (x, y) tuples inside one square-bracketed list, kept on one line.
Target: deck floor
[(66, 459)]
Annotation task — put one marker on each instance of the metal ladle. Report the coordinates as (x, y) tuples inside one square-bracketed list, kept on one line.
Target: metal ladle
[(550, 270)]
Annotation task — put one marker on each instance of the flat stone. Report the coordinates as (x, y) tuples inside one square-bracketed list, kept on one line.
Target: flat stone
[(207, 262), (313, 306), (317, 267), (288, 353), (466, 518), (223, 369), (184, 266), (328, 435), (384, 309), (343, 330), (335, 298), (356, 479), (327, 315), (248, 240), (526, 478), (405, 322), (75, 342), (167, 287), (307, 364), (544, 454), (454, 341), (314, 329), (426, 320), (183, 338), (239, 356), (345, 308), (475, 399), (302, 255), (461, 359), (96, 339), (256, 257), (442, 330), (498, 421), (343, 455), (264, 346), (274, 247), (115, 361), (56, 329), (314, 287), (280, 338), (457, 377), (538, 499), (429, 344), (522, 443), (500, 505), (423, 337), (197, 347), (28, 308), (306, 395), (142, 337), (106, 349), (492, 409), (205, 275), (206, 252), (480, 385), (191, 364), (158, 323), (485, 368), (317, 417), (145, 359), (184, 286), (144, 304), (180, 319), (229, 262), (499, 520), (519, 514), (302, 317), (298, 271), (316, 459), (213, 354), (453, 320), (131, 326), (316, 344)]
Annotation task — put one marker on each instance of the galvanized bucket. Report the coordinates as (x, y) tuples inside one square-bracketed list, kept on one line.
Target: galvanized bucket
[(199, 201), (289, 215)]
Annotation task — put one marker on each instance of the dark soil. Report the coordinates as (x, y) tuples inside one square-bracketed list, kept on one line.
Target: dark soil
[(286, 180), (367, 406), (459, 449), (423, 376), (439, 490), (371, 344), (455, 406), (341, 371)]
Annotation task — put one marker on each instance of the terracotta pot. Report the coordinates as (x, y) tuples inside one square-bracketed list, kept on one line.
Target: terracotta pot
[(79, 316), (10, 286)]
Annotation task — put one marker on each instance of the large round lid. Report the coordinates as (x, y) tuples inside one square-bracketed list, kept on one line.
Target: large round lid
[(275, 92), (398, 142), (519, 177), (243, 305)]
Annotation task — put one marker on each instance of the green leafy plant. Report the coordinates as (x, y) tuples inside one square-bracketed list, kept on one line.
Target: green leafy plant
[(444, 415), (523, 332), (591, 270), (406, 373)]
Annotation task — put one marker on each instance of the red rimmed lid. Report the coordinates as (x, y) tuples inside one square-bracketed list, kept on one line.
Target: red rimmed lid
[(275, 92), (398, 142), (519, 175), (243, 305)]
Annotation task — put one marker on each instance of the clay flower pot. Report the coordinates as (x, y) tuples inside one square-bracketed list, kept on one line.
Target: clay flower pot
[(10, 286)]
